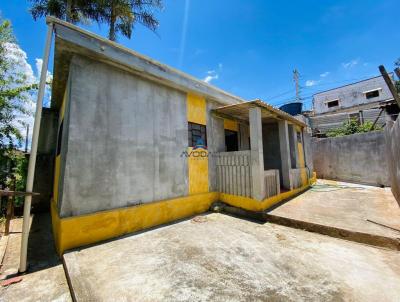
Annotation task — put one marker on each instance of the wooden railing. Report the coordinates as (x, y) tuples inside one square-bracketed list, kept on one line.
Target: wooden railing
[(234, 173), (272, 183)]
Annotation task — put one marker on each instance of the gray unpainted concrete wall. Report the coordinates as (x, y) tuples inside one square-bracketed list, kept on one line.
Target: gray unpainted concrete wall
[(215, 143), (125, 140), (44, 171), (271, 148), (356, 158), (392, 136), (351, 95), (308, 152)]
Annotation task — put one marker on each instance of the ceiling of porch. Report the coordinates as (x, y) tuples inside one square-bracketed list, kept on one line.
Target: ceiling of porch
[(269, 113)]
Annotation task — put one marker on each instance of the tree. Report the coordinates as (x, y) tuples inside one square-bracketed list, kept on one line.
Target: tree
[(15, 89), (122, 15), (72, 11)]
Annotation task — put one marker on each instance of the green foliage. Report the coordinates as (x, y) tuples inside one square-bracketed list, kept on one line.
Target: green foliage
[(73, 11), (14, 172), (351, 127), (14, 94), (120, 15)]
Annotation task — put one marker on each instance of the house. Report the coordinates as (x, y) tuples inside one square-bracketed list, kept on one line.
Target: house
[(367, 100), (139, 143)]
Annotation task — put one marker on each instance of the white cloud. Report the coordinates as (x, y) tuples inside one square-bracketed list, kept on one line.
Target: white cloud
[(350, 64), (18, 60), (213, 74), (22, 70), (39, 64), (325, 74), (310, 83)]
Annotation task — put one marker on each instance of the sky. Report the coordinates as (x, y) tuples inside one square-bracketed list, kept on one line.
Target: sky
[(250, 48)]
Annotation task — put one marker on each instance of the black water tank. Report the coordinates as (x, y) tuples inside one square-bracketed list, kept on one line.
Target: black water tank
[(292, 108)]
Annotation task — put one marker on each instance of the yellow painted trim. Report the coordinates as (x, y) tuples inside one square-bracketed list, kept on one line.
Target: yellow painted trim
[(198, 171), (82, 230), (197, 165), (302, 164), (231, 125), (196, 109), (251, 204)]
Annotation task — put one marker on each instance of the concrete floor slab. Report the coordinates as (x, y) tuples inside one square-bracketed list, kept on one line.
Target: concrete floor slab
[(45, 279), (346, 206), (222, 258)]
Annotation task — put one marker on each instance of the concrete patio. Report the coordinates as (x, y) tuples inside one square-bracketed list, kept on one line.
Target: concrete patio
[(45, 279), (350, 209), (216, 257)]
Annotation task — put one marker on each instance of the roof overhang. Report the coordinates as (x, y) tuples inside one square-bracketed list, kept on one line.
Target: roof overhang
[(71, 40), (240, 112)]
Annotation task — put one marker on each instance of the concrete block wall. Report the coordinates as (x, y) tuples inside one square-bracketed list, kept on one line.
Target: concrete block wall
[(356, 158), (392, 135)]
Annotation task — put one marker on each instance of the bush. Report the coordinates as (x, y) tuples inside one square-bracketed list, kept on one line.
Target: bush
[(352, 127)]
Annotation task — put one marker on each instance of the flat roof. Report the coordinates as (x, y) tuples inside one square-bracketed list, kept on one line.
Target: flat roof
[(268, 112), (354, 83), (71, 40)]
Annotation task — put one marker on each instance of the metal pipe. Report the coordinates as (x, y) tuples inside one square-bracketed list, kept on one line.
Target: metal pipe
[(32, 158)]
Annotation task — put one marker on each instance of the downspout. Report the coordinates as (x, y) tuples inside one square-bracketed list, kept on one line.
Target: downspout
[(32, 158)]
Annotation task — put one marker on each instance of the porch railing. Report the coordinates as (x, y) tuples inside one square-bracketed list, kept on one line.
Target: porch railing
[(234, 173), (298, 177), (272, 183)]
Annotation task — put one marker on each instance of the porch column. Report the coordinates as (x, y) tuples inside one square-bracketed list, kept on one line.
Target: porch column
[(257, 156), (285, 153), (295, 151)]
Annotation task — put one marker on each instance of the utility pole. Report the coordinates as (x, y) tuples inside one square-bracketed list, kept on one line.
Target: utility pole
[(390, 84), (296, 77)]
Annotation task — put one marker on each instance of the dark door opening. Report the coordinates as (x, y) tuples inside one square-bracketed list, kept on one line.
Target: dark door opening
[(231, 141)]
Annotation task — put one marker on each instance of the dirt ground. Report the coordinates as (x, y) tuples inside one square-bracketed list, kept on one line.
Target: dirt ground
[(45, 279), (221, 258)]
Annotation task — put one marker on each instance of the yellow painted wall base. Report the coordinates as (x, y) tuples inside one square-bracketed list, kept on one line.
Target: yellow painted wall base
[(251, 204), (82, 230)]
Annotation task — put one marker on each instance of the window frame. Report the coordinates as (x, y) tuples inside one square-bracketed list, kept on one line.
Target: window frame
[(371, 94), (194, 127), (333, 101)]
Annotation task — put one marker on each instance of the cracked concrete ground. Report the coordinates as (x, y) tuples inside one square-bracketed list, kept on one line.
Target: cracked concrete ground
[(220, 258)]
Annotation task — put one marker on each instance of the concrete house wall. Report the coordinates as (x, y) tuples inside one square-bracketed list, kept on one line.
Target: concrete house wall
[(351, 95), (125, 139), (123, 161)]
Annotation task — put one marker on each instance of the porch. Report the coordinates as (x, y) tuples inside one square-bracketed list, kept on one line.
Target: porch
[(270, 156)]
